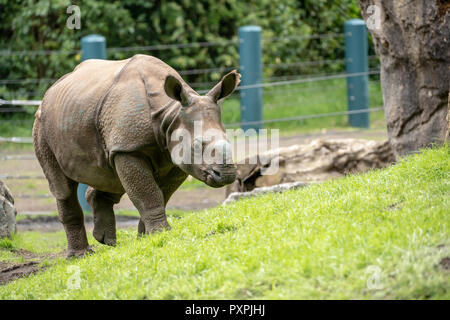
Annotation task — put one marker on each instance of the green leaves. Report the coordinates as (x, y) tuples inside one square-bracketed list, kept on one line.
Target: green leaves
[(41, 25)]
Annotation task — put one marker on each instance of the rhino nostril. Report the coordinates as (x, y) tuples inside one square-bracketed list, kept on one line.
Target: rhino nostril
[(217, 173)]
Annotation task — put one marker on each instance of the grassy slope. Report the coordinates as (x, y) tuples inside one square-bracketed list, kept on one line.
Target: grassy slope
[(325, 241), (40, 243)]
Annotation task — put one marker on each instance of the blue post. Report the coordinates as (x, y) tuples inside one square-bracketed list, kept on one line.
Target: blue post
[(356, 50), (251, 70), (93, 46)]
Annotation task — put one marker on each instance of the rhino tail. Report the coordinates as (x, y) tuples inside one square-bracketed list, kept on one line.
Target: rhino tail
[(38, 112)]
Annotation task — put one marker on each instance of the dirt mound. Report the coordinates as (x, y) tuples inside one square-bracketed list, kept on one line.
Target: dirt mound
[(11, 272)]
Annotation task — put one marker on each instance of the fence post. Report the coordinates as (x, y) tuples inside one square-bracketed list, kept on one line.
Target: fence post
[(356, 61), (93, 46), (251, 70)]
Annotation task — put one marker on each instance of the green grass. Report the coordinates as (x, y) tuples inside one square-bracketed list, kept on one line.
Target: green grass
[(387, 228), (130, 213), (43, 243), (39, 243), (172, 213), (17, 125)]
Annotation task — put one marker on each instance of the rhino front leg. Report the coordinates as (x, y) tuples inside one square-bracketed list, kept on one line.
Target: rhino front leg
[(104, 221), (137, 179), (169, 185)]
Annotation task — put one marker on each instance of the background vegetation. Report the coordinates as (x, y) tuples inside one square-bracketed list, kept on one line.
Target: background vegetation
[(41, 25)]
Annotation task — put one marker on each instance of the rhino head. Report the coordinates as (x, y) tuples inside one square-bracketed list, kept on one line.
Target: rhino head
[(198, 143)]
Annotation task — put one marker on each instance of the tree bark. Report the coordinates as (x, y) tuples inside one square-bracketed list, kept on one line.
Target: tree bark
[(412, 40)]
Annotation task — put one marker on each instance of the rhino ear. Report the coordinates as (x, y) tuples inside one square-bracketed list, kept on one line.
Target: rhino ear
[(226, 86), (174, 89)]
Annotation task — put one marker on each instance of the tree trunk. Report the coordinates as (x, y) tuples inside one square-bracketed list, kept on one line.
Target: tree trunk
[(412, 39)]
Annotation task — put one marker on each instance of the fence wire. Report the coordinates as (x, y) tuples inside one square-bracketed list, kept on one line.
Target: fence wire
[(304, 117), (157, 47), (19, 177), (208, 70), (258, 85), (267, 121)]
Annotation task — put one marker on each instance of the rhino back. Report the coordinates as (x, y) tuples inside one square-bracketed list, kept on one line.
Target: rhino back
[(101, 108), (68, 114)]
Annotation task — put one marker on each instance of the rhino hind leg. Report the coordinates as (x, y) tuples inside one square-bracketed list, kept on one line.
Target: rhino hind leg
[(104, 221), (71, 216), (65, 192)]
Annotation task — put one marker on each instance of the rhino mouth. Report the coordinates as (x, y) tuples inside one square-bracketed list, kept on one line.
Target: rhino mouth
[(217, 178)]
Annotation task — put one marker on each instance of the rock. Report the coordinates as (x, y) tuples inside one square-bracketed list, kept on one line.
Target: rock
[(412, 41), (234, 196), (7, 212), (314, 162)]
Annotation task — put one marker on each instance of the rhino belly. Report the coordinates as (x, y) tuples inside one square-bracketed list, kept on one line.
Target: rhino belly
[(85, 168)]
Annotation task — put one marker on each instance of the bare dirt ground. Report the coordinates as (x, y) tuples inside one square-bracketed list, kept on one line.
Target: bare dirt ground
[(12, 271)]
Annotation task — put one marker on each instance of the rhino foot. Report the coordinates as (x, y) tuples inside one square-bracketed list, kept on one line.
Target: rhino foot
[(104, 219), (162, 226), (79, 253), (105, 236), (154, 228)]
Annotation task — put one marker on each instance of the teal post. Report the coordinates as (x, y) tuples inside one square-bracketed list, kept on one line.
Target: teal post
[(93, 46), (251, 70), (356, 61)]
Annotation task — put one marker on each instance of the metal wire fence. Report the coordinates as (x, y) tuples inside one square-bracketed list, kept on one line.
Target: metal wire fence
[(281, 83), (169, 46)]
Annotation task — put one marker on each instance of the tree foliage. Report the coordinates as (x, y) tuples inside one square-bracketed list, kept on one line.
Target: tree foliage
[(28, 25)]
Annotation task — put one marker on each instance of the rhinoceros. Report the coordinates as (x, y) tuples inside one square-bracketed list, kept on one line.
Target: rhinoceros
[(108, 124)]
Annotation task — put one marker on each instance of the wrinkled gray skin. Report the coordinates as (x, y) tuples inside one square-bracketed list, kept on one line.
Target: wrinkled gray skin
[(108, 124)]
